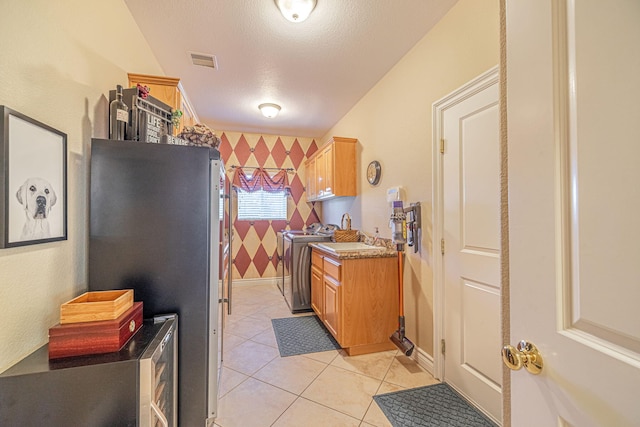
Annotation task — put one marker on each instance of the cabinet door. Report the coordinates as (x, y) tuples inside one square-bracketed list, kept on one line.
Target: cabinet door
[(320, 175), (343, 156), (332, 299), (317, 302), (164, 89), (328, 170), (188, 116), (311, 180)]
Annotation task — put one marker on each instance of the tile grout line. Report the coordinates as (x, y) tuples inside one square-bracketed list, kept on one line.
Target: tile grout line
[(273, 307)]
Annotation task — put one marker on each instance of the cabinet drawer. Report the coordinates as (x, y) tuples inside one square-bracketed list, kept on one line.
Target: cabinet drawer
[(332, 268), (316, 259)]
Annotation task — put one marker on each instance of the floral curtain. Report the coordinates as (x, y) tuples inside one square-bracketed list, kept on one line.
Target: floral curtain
[(261, 180)]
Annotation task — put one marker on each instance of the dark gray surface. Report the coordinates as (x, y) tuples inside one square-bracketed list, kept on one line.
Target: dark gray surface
[(296, 261), (149, 231), (301, 335), (431, 406), (92, 390)]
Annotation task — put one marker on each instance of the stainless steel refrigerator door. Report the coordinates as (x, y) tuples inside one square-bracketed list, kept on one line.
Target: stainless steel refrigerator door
[(215, 324), (230, 249)]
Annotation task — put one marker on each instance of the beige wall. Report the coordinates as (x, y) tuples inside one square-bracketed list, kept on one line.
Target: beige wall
[(393, 125), (255, 241), (59, 60)]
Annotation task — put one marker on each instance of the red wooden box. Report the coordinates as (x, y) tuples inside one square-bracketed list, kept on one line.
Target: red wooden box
[(75, 339)]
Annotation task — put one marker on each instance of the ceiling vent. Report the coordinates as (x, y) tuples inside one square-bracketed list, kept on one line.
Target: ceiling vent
[(204, 60)]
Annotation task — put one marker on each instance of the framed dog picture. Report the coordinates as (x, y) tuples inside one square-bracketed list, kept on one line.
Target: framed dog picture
[(33, 181)]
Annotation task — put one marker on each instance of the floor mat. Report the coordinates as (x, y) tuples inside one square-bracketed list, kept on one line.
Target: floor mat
[(431, 406), (301, 335)]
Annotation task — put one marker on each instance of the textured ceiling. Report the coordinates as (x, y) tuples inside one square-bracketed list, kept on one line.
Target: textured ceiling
[(316, 70)]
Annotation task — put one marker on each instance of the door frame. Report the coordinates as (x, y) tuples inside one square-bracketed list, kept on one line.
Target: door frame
[(466, 91)]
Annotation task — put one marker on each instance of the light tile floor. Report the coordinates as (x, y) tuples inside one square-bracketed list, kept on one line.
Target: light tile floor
[(259, 388)]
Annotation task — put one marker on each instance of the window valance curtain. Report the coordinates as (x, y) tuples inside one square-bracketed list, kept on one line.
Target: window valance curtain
[(261, 180)]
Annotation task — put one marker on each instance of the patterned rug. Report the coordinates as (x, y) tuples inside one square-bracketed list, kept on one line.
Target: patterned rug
[(301, 335), (431, 406)]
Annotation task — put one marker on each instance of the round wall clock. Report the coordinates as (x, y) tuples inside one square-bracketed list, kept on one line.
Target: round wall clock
[(373, 172)]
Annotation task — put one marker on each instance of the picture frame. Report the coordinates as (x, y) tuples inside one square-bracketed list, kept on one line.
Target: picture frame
[(33, 181)]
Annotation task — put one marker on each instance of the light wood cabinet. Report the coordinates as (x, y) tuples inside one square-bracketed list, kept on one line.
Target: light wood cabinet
[(189, 117), (320, 172), (310, 170), (169, 91), (317, 302), (331, 172), (329, 166), (332, 298), (357, 300)]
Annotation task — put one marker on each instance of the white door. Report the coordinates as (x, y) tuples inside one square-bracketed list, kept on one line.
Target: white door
[(573, 114), (469, 123)]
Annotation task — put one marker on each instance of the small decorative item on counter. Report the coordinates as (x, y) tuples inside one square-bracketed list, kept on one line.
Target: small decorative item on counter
[(143, 91), (200, 135), (346, 234)]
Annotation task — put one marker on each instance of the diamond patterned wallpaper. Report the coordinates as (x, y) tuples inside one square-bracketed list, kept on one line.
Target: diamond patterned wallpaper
[(254, 244)]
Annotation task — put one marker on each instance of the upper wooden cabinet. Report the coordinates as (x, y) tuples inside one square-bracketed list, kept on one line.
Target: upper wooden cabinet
[(169, 91), (331, 172), (310, 186)]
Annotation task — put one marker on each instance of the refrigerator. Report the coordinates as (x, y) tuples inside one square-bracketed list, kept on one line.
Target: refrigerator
[(156, 225)]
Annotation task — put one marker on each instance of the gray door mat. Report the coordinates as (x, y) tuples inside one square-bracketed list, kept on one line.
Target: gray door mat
[(301, 335), (435, 405)]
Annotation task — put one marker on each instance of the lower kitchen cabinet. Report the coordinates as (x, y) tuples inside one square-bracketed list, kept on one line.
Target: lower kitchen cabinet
[(356, 299), (332, 290), (317, 303)]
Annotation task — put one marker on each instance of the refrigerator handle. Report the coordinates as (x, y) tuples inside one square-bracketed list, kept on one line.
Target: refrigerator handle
[(230, 256), (160, 416)]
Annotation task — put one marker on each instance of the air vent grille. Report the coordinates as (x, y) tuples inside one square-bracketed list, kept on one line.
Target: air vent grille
[(204, 60)]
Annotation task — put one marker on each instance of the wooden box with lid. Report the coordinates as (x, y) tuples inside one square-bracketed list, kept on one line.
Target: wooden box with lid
[(75, 339)]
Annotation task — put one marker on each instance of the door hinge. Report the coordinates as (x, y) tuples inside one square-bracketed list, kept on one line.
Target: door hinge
[(442, 346), (442, 146), (442, 246)]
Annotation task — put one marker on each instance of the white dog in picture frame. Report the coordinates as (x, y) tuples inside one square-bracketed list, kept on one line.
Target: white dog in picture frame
[(37, 197)]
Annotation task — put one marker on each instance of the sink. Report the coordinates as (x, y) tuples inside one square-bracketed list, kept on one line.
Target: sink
[(348, 247)]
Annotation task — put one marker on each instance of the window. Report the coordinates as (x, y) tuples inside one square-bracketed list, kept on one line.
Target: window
[(262, 204)]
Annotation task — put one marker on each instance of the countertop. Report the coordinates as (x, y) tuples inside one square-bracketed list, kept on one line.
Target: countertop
[(354, 250)]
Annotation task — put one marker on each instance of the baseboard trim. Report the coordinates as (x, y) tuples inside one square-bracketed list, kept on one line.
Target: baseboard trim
[(423, 359), (263, 281)]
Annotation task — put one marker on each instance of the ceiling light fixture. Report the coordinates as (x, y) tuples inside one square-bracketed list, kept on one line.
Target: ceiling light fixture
[(269, 110), (296, 10)]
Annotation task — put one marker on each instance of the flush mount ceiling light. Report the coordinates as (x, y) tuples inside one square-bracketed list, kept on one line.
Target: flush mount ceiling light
[(296, 10), (269, 110)]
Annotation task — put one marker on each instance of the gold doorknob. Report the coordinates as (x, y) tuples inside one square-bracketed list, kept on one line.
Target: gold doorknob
[(526, 354)]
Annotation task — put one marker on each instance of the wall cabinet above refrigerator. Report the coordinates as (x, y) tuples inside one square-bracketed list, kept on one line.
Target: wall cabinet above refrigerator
[(170, 91)]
